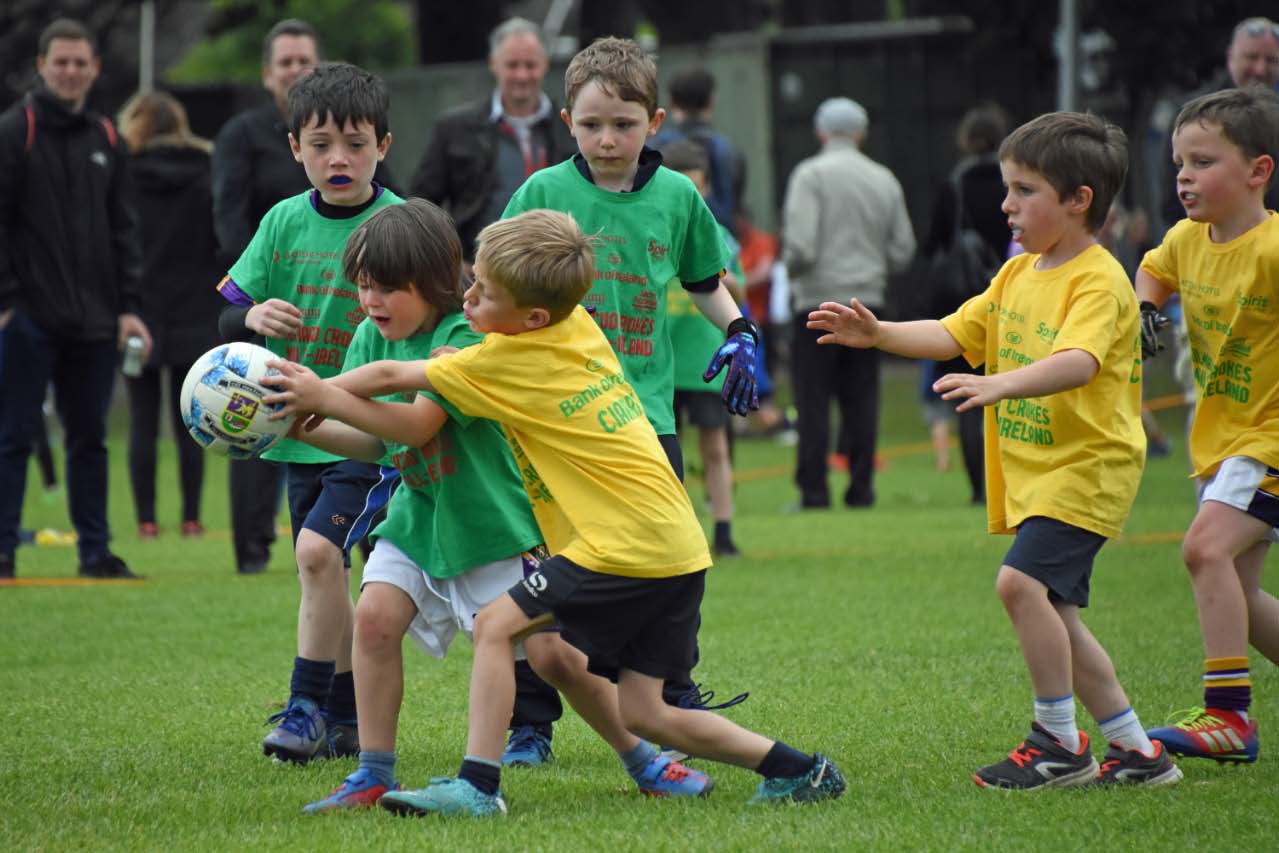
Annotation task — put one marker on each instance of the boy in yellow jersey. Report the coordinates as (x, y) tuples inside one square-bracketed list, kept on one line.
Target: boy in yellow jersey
[(1224, 261), (1058, 332), (628, 571)]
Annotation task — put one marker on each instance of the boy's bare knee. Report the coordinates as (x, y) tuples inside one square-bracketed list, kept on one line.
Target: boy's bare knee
[(375, 628), (553, 660), (1199, 553), (317, 556)]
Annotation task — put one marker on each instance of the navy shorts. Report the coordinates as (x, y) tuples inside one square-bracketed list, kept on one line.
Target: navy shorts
[(1058, 555), (647, 625), (705, 409), (337, 500)]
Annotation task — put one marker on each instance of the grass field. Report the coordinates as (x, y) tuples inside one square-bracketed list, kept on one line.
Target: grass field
[(133, 713)]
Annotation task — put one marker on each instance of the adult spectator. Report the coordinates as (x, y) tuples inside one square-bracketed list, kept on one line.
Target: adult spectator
[(845, 230), (974, 193), (69, 286), (253, 168), (1252, 59), (171, 175), (692, 98), (480, 153)]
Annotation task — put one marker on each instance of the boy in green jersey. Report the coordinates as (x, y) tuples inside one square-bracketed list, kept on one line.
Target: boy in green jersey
[(289, 282), (654, 230)]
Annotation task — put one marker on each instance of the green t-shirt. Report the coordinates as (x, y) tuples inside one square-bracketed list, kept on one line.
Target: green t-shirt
[(461, 503), (646, 240), (296, 255), (694, 337)]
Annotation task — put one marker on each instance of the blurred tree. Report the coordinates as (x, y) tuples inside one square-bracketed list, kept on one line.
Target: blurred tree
[(374, 34)]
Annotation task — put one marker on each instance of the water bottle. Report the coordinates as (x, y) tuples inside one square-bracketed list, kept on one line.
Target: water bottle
[(132, 364)]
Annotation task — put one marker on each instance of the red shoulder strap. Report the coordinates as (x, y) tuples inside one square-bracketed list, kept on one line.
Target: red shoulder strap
[(110, 129), (31, 125)]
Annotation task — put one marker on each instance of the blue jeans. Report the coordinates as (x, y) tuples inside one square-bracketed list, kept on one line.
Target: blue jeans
[(83, 375)]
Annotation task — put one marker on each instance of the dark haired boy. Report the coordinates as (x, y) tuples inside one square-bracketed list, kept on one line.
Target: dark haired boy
[(291, 276), (1058, 332)]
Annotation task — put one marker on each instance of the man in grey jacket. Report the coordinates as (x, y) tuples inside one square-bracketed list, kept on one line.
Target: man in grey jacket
[(846, 230)]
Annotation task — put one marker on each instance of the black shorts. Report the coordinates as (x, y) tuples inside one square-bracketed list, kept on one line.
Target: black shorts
[(337, 500), (705, 409), (1058, 555), (648, 625)]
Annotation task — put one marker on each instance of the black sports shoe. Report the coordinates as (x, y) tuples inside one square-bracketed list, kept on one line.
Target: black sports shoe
[(1129, 767), (107, 566), (343, 739), (1040, 762)]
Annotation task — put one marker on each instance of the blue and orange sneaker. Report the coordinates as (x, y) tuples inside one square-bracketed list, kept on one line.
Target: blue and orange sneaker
[(360, 790), (445, 795), (665, 778), (1211, 733)]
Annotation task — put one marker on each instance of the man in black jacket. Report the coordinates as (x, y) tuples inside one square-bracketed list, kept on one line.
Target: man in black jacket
[(481, 152), (69, 287)]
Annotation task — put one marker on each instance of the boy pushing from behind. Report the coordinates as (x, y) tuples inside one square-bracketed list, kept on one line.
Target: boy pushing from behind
[(1058, 332), (626, 579), (1224, 261)]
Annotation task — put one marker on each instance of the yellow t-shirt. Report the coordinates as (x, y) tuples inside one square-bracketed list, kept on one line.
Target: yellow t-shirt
[(602, 490), (1075, 456), (1230, 295)]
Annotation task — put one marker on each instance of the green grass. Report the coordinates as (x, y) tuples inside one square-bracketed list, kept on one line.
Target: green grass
[(133, 713)]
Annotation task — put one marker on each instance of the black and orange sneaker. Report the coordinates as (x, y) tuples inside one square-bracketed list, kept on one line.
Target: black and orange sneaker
[(1040, 762), (1131, 767)]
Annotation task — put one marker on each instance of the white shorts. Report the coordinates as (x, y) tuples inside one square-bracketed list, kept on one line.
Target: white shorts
[(444, 607), (1249, 486)]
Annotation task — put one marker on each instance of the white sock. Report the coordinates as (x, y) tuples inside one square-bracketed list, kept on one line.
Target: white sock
[(1125, 729), (1058, 717)]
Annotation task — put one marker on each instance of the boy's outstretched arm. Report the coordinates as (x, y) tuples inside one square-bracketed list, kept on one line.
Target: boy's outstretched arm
[(303, 393), (1061, 371), (380, 378), (855, 325)]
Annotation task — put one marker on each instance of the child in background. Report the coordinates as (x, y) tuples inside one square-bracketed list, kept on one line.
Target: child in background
[(1223, 260), (695, 340), (626, 579), (290, 287), (459, 531), (1058, 332)]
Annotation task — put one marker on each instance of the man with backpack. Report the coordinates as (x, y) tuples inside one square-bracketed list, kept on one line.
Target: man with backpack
[(69, 287), (692, 99)]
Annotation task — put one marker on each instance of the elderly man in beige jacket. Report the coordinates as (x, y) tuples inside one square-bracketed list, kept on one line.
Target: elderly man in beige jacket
[(846, 230)]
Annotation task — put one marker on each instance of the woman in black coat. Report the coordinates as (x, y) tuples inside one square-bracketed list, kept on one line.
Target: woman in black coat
[(171, 176)]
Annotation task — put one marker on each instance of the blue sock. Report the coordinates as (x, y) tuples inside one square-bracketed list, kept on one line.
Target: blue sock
[(484, 775), (638, 759), (340, 707), (312, 679), (380, 764)]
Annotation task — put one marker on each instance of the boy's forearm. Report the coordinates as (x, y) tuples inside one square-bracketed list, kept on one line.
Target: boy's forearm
[(1061, 371), (918, 339), (343, 440), (399, 423), (717, 306), (1151, 289), (380, 378)]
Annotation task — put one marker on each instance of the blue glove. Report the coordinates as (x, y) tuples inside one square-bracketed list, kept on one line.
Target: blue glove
[(740, 394)]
